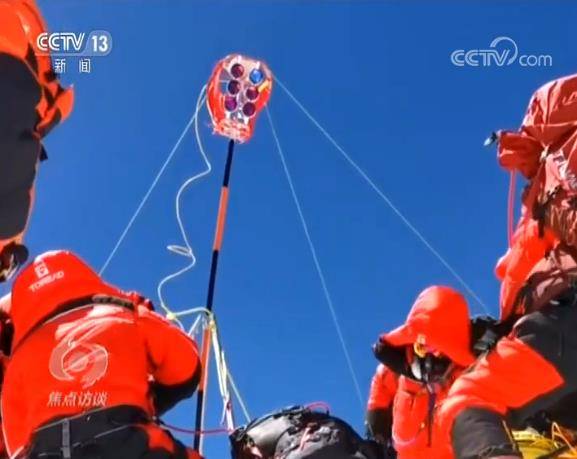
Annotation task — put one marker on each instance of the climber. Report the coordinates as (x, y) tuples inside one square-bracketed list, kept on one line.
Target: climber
[(533, 369), (91, 367), (419, 362), (32, 102)]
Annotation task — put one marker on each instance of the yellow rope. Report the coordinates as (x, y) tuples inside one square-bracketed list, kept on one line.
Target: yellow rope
[(559, 432), (534, 445)]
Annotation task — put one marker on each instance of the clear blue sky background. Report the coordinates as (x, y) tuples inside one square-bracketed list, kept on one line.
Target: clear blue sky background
[(378, 76)]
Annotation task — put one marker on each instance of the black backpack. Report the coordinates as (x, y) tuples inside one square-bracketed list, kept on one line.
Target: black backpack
[(301, 433)]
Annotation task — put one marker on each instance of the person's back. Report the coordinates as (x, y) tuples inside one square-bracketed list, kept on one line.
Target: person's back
[(87, 358), (91, 370)]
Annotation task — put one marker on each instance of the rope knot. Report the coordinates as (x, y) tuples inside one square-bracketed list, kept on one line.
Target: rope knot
[(171, 316)]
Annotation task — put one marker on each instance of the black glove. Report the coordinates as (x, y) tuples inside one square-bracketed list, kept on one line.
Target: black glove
[(166, 397), (394, 358), (371, 449), (486, 332), (379, 424)]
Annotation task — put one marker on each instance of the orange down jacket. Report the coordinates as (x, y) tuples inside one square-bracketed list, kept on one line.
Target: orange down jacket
[(81, 344), (440, 320), (544, 150)]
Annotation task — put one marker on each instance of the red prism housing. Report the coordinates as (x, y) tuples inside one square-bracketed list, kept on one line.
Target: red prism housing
[(239, 88)]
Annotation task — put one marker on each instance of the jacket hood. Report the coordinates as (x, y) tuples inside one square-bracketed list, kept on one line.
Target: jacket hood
[(49, 282), (440, 319)]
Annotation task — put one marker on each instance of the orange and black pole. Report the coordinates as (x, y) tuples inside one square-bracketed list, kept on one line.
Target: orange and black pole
[(206, 341)]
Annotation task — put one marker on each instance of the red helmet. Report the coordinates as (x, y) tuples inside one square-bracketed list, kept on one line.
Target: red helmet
[(50, 281)]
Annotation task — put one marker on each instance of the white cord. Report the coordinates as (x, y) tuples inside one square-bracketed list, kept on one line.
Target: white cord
[(240, 400), (204, 315), (207, 318), (150, 189), (317, 263), (383, 196), (185, 250), (222, 375)]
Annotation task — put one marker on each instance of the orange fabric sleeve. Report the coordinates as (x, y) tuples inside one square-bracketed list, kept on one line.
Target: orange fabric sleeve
[(14, 414), (504, 379), (383, 388), (173, 354)]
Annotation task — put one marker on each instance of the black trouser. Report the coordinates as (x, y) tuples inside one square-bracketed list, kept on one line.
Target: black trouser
[(112, 433), (19, 146)]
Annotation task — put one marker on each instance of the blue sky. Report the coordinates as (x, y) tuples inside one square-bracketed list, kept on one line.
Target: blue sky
[(378, 77)]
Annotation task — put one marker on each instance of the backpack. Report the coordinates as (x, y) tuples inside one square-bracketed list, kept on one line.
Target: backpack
[(543, 150), (301, 433)]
